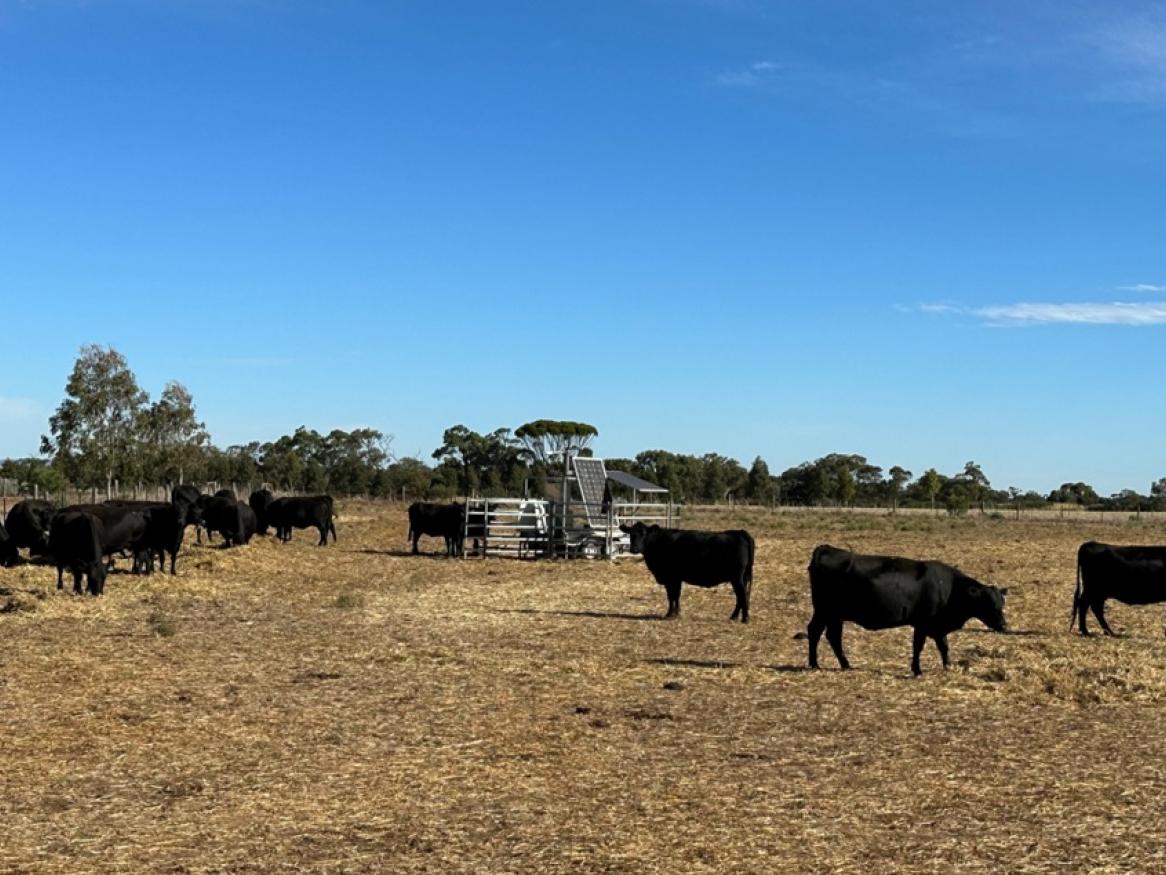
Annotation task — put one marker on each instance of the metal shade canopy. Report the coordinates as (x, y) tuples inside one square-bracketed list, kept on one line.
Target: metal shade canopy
[(631, 481)]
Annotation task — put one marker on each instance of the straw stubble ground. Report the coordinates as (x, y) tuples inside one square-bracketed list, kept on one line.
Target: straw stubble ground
[(353, 709)]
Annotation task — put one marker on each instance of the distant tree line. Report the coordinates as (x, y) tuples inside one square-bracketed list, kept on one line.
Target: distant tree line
[(107, 434)]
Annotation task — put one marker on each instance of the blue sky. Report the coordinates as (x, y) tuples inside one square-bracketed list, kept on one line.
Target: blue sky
[(924, 231)]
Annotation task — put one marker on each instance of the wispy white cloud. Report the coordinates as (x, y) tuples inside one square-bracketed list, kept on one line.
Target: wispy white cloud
[(1116, 313), (1148, 288), (1087, 313), (747, 77)]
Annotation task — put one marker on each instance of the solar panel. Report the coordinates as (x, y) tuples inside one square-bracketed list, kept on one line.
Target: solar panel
[(592, 477)]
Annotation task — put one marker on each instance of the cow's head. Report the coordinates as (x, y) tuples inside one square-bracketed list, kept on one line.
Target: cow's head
[(96, 575), (987, 604), (639, 533)]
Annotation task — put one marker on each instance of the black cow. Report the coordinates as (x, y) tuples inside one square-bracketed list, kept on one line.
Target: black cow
[(8, 553), (186, 499), (200, 509), (76, 543), (1132, 575), (882, 592), (259, 501), (446, 521), (677, 556), (28, 524), (165, 528), (123, 528), (232, 519), (313, 511)]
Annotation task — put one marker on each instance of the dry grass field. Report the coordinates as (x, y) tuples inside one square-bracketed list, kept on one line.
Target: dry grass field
[(355, 709)]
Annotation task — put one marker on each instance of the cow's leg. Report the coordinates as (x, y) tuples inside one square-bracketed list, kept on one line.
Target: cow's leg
[(1098, 608), (941, 646), (323, 536), (672, 587), (814, 634), (77, 583), (1082, 626), (416, 538), (834, 636), (917, 648), (60, 577), (173, 559), (742, 593)]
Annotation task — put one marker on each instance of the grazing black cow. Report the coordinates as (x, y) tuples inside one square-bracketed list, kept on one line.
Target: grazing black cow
[(28, 524), (259, 501), (200, 509), (76, 543), (446, 521), (677, 556), (8, 553), (232, 519), (882, 592), (226, 493), (123, 527), (1132, 575), (165, 528), (313, 511)]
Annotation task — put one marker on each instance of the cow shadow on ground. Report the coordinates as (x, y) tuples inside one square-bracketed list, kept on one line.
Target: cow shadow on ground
[(692, 663), (1018, 633), (595, 615), (402, 554), (723, 664)]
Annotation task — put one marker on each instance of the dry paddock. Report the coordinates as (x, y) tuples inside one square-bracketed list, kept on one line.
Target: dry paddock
[(355, 709)]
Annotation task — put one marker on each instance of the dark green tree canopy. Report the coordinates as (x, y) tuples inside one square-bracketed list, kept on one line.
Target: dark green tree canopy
[(550, 441)]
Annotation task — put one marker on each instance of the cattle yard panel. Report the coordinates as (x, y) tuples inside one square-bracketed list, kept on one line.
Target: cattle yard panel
[(514, 527)]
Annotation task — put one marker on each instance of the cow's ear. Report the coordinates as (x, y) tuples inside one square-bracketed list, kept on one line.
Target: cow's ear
[(1003, 590)]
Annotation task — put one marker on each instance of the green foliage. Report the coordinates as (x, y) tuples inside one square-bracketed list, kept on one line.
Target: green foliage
[(32, 475), (489, 465), (550, 442), (161, 625), (174, 443), (1074, 493), (94, 433)]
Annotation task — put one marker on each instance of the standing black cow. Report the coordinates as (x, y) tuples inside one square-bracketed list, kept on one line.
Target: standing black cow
[(8, 553), (187, 499), (260, 500), (882, 592), (677, 556), (446, 521), (123, 528), (1132, 575), (76, 543), (232, 519), (313, 511), (28, 524)]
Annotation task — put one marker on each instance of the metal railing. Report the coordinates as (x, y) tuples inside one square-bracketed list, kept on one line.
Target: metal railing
[(536, 528)]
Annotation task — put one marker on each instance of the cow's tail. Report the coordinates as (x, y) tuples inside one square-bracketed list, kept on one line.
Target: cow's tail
[(1077, 593), (749, 568)]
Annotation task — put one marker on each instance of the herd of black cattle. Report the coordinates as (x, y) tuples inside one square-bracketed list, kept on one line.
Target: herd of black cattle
[(85, 538), (875, 592)]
